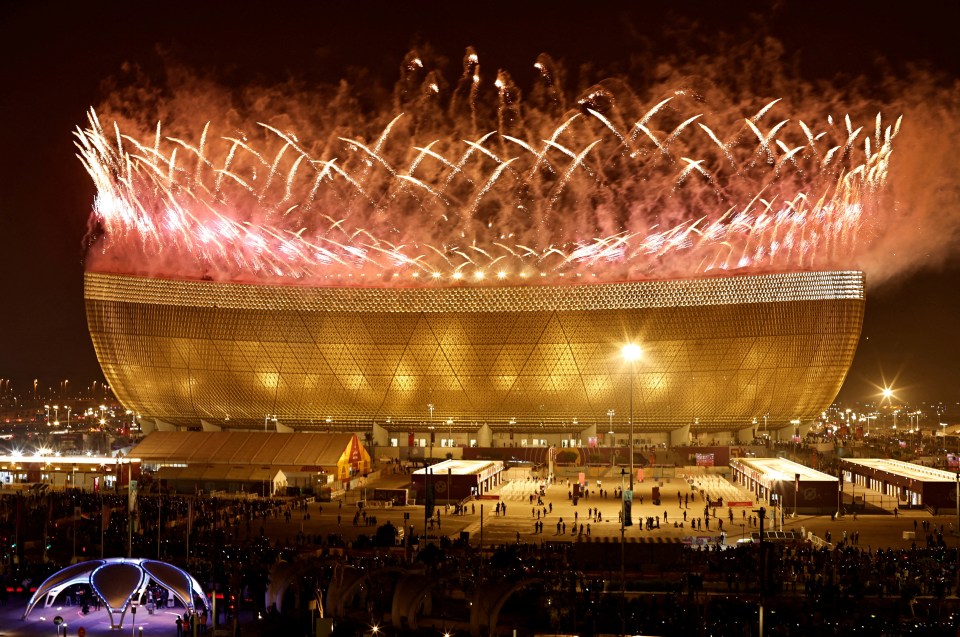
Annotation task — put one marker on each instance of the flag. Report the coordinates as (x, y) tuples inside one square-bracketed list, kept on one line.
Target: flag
[(132, 496), (627, 507), (429, 496)]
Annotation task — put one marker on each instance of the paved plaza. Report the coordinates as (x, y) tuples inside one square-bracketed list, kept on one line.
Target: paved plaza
[(883, 530)]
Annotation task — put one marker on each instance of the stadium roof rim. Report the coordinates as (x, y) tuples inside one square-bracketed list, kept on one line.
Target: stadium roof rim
[(732, 290)]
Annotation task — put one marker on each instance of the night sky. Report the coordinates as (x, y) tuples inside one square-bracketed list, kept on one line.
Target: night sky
[(58, 57)]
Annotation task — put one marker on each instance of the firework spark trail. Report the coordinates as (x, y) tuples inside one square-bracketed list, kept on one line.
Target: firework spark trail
[(573, 204)]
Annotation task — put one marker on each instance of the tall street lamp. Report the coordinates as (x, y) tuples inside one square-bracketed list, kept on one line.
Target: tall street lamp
[(957, 503), (623, 557), (631, 352), (610, 415), (430, 408)]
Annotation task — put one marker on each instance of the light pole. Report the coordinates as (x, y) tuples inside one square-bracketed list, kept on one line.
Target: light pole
[(610, 415), (430, 409), (73, 499), (840, 490), (631, 352), (623, 557)]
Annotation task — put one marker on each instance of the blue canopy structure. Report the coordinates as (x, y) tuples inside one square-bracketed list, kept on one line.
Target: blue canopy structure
[(118, 581)]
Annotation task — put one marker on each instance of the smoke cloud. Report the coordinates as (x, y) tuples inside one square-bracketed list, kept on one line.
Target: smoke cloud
[(683, 166)]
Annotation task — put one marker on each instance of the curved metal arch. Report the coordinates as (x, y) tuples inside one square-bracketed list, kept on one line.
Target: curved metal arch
[(52, 586), (281, 575), (186, 590), (114, 584), (407, 598), (345, 593), (117, 581), (491, 606)]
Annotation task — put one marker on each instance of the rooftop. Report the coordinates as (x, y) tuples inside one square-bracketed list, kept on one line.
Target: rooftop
[(781, 469), (905, 469), (460, 467)]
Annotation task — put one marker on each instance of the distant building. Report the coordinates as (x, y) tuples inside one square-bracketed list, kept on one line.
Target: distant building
[(254, 462), (455, 480)]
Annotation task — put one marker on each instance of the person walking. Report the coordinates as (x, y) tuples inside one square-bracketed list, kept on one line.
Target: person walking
[(179, 626)]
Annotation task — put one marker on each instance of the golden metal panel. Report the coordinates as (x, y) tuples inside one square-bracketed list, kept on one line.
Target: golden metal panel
[(717, 352)]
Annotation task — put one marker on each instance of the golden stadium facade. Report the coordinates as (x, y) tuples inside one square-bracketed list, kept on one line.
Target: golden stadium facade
[(718, 353)]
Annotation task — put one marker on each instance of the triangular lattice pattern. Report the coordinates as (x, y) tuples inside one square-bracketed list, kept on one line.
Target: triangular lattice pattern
[(717, 353)]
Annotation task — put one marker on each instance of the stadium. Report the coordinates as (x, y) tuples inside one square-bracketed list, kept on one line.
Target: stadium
[(719, 354), (434, 268)]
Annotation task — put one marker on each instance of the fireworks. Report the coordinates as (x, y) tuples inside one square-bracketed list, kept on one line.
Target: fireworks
[(597, 193)]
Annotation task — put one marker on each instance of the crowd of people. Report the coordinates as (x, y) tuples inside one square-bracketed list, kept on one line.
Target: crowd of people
[(231, 551)]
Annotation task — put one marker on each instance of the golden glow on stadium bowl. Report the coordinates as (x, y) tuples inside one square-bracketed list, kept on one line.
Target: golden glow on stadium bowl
[(717, 352)]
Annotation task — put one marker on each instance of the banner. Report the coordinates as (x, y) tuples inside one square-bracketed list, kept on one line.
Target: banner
[(132, 497), (704, 459), (796, 483), (429, 499), (105, 518)]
